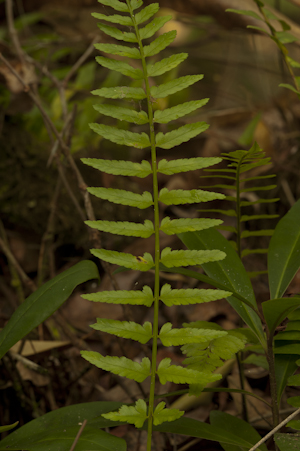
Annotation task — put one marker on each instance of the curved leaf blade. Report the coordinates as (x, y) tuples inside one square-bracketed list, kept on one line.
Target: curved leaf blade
[(116, 33), (182, 134), (120, 167), (120, 66), (180, 196), (146, 13), (123, 197), (124, 228), (44, 302), (190, 295), (123, 114), (175, 112), (284, 251), (151, 28), (122, 137), (171, 87), (171, 227), (276, 310), (127, 260), (120, 92), (116, 18), (166, 64), (125, 329), (160, 43), (138, 297)]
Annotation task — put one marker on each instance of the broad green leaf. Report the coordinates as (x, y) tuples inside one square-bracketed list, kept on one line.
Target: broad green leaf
[(286, 335), (182, 257), (171, 114), (190, 295), (293, 348), (294, 380), (125, 329), (123, 197), (122, 137), (123, 114), (166, 64), (8, 427), (180, 196), (242, 429), (116, 18), (57, 430), (117, 34), (160, 43), (120, 92), (182, 134), (229, 272), (144, 297), (244, 12), (285, 366), (293, 325), (195, 428), (178, 337), (146, 13), (284, 248), (162, 414), (151, 28), (120, 66), (121, 50), (44, 302), (276, 310), (171, 87), (115, 4), (119, 365), (136, 414), (180, 375), (287, 442), (284, 37), (122, 259), (173, 226), (124, 228), (120, 167)]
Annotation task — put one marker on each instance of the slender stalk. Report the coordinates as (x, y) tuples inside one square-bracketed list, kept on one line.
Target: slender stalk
[(156, 229)]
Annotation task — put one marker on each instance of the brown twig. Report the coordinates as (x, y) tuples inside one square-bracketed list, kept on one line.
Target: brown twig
[(80, 61), (78, 435), (12, 31)]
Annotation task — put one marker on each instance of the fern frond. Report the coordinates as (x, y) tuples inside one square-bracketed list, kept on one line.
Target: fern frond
[(121, 67), (160, 43), (166, 64), (162, 414), (146, 13), (171, 87), (120, 92), (123, 114), (117, 34), (125, 329), (119, 365), (190, 296), (144, 297), (116, 18), (182, 134), (124, 228), (151, 28), (185, 164), (175, 112), (115, 4), (122, 137)]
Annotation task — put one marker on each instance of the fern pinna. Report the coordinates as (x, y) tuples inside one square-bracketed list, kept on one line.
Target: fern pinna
[(133, 32)]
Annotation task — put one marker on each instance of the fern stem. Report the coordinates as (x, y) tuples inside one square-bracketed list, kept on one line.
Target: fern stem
[(238, 210), (156, 229)]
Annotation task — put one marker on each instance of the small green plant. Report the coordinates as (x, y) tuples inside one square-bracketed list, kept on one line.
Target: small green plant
[(207, 339)]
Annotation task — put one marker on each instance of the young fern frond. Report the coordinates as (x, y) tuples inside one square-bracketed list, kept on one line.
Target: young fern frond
[(240, 162), (169, 258)]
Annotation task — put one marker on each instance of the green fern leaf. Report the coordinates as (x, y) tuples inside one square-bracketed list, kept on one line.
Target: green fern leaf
[(171, 87), (180, 196), (125, 329), (151, 28), (179, 375), (124, 228), (185, 164), (119, 365), (116, 18), (123, 114), (136, 415), (115, 4), (161, 414), (255, 217), (190, 296), (144, 297), (121, 92), (231, 213), (245, 13), (171, 227), (120, 167), (266, 232), (159, 43), (177, 337), (123, 197), (127, 260), (120, 66), (146, 13), (257, 188), (121, 50), (163, 66), (253, 251), (182, 134), (135, 4), (170, 114), (181, 257), (117, 34), (123, 137)]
